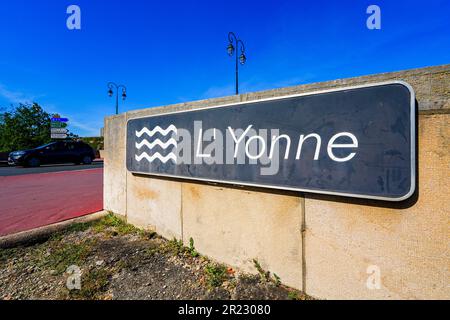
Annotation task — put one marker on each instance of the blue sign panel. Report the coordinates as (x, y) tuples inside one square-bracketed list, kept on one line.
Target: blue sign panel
[(356, 142), (59, 119)]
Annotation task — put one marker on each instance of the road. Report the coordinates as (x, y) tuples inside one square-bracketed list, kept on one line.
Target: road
[(15, 171), (34, 197)]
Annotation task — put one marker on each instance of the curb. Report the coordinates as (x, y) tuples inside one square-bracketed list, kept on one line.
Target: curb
[(42, 233)]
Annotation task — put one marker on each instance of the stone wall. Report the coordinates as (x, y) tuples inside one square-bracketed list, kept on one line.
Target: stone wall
[(322, 244)]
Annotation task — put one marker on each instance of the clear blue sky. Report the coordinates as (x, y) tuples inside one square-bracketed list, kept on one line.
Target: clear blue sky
[(173, 51)]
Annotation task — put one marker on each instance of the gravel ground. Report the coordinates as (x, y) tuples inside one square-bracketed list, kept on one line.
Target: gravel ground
[(118, 261)]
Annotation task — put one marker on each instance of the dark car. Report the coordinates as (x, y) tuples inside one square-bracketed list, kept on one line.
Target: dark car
[(55, 152)]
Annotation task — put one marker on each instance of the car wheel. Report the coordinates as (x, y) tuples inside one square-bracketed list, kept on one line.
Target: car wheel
[(33, 162), (87, 160)]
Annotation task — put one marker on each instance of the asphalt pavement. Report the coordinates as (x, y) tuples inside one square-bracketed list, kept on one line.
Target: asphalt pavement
[(6, 170)]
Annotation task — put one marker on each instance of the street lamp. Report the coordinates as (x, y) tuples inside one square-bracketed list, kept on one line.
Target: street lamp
[(234, 41), (112, 86)]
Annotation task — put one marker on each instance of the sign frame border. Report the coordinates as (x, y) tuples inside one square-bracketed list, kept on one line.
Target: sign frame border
[(330, 193)]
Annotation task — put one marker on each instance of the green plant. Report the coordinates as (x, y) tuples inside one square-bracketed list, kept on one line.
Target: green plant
[(293, 295), (265, 275), (276, 279), (175, 246), (149, 252), (99, 227), (192, 250), (93, 284), (76, 227), (216, 274), (55, 237), (79, 227), (6, 254), (61, 258), (118, 225)]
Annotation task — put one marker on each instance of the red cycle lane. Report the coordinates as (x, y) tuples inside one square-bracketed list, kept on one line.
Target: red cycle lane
[(35, 200)]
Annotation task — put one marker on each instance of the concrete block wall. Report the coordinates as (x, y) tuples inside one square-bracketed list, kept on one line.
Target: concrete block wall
[(342, 238)]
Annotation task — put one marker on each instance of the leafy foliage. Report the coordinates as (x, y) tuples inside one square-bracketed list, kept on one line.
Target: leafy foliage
[(192, 250), (61, 257), (118, 225), (216, 274), (94, 283), (24, 127)]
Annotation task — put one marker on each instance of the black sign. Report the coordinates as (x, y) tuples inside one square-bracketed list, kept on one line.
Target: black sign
[(357, 142)]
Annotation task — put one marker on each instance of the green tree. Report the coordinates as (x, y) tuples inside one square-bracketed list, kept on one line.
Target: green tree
[(24, 127)]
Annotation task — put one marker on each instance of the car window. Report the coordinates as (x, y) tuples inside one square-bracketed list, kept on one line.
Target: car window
[(52, 147), (60, 146), (46, 145)]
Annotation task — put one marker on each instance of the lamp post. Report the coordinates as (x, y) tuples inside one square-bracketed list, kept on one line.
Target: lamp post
[(113, 86), (235, 45)]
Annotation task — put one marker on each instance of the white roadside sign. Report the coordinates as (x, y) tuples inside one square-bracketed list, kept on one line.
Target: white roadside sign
[(58, 136), (59, 130)]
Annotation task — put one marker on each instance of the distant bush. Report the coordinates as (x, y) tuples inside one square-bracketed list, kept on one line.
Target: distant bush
[(95, 142)]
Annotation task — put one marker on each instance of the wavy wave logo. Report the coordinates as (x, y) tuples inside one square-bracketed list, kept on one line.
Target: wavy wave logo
[(156, 155), (157, 143), (155, 130)]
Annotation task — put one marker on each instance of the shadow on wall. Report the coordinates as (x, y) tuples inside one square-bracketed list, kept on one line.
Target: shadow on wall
[(374, 203)]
